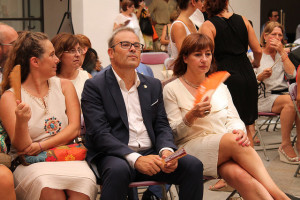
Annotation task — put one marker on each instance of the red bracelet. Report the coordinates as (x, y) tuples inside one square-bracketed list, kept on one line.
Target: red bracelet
[(40, 146)]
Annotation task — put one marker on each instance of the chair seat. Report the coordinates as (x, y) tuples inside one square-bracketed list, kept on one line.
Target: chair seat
[(267, 114)]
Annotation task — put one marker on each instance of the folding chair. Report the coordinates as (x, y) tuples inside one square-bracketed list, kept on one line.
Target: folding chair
[(270, 116), (156, 60), (138, 184), (293, 94)]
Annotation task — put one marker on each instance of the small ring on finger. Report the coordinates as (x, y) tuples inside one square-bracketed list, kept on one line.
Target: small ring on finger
[(206, 112)]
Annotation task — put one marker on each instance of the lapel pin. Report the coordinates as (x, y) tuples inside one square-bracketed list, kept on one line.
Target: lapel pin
[(145, 86)]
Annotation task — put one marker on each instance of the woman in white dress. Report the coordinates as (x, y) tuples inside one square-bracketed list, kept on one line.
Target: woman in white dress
[(212, 130), (272, 97), (183, 26), (129, 19), (47, 116), (68, 50)]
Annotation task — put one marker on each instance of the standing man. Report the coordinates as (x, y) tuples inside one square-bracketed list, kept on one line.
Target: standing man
[(128, 133), (160, 11), (273, 16), (8, 36)]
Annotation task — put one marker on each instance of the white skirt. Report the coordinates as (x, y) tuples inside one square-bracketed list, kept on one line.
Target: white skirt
[(206, 149), (66, 175)]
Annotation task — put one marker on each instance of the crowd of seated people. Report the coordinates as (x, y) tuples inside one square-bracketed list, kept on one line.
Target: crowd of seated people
[(128, 127)]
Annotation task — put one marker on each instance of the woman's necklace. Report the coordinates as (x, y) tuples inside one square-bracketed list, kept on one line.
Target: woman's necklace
[(189, 83)]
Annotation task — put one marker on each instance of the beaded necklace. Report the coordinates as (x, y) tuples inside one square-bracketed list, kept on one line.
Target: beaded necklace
[(189, 83)]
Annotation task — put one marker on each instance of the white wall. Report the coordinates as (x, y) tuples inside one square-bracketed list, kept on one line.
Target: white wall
[(94, 18), (53, 14), (250, 9)]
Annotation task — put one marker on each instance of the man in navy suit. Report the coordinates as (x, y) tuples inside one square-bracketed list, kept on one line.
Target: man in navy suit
[(128, 133)]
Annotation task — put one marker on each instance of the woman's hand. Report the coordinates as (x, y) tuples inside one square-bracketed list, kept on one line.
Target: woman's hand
[(32, 150), (277, 45), (265, 74), (23, 112), (255, 64), (201, 109), (241, 138)]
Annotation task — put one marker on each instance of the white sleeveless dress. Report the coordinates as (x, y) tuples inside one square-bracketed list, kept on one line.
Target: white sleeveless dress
[(173, 48), (45, 122)]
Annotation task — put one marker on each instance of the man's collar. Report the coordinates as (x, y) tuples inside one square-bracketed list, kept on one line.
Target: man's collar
[(122, 83)]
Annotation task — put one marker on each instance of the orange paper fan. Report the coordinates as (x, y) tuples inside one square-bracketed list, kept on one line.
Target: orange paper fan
[(208, 87)]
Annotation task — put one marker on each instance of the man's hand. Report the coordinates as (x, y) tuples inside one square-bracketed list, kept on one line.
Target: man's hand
[(169, 167), (149, 165)]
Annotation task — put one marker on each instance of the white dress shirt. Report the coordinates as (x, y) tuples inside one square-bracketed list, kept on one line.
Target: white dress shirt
[(139, 139)]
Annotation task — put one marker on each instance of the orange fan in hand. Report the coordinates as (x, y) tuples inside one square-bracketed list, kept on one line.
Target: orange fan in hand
[(208, 87), (15, 81)]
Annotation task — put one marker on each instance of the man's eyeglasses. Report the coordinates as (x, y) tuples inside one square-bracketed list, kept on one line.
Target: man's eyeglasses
[(127, 45), (9, 44), (74, 51)]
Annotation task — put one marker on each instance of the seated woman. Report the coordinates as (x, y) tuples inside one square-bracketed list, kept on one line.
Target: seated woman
[(43, 96), (7, 190), (68, 51), (89, 57), (274, 66), (212, 130)]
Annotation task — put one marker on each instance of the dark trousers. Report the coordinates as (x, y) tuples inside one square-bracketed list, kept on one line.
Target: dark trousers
[(116, 174)]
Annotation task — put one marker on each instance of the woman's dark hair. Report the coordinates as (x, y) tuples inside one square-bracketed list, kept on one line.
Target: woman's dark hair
[(183, 4), (91, 61), (63, 42), (193, 43), (28, 45), (127, 3), (214, 7)]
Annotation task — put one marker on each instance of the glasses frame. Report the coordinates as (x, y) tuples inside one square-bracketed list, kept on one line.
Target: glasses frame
[(74, 51), (9, 44), (131, 44)]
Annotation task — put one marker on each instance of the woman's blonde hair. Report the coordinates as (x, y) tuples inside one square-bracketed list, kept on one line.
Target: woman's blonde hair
[(270, 26)]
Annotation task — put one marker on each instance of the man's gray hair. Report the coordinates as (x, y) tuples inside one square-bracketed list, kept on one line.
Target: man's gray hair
[(123, 29)]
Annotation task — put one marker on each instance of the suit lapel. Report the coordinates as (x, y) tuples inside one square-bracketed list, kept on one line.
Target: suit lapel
[(116, 93), (145, 102)]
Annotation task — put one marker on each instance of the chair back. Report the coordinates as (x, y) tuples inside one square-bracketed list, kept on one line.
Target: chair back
[(154, 58)]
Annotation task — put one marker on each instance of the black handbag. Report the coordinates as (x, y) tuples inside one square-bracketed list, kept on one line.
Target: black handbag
[(145, 23)]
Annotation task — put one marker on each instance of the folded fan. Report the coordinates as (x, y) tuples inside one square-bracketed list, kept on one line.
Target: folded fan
[(15, 81), (209, 85)]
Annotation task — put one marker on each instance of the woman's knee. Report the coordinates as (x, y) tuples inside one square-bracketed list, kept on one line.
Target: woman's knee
[(6, 178)]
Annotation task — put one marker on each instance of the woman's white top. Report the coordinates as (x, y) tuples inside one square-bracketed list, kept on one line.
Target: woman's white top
[(79, 81), (173, 48)]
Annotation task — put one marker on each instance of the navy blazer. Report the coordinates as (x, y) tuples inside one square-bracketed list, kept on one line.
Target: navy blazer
[(105, 116)]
